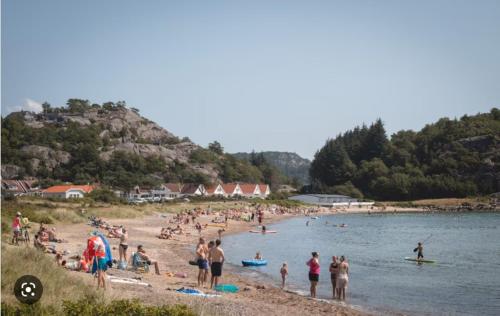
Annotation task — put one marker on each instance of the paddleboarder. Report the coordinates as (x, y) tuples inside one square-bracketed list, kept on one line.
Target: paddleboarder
[(420, 250)]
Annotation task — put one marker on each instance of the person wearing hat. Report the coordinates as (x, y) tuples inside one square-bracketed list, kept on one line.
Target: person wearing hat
[(16, 228)]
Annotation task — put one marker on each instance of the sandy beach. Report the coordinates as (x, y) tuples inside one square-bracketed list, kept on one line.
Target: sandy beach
[(173, 256)]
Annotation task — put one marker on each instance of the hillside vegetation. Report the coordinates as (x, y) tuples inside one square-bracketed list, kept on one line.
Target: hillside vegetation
[(112, 144), (291, 165), (450, 158)]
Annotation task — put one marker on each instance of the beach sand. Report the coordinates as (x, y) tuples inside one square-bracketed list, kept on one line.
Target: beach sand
[(173, 256)]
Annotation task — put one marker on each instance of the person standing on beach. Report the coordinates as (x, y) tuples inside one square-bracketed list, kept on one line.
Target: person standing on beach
[(102, 266), (123, 246), (284, 274), (334, 270), (202, 260), (342, 278), (420, 249), (216, 259), (16, 228), (314, 269)]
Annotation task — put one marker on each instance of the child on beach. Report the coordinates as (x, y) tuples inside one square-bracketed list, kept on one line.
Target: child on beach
[(284, 274)]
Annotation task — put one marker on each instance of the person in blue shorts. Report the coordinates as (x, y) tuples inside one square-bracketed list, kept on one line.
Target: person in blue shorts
[(202, 260)]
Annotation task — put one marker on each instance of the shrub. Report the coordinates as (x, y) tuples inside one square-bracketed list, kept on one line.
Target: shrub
[(104, 195), (90, 306)]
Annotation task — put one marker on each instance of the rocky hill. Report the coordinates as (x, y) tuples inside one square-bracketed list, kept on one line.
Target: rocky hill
[(109, 143), (291, 164)]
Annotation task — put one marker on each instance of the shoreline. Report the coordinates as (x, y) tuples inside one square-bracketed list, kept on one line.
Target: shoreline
[(173, 256)]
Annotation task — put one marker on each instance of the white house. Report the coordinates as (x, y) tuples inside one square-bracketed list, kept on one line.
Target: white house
[(215, 190), (67, 191), (265, 190), (232, 189), (250, 190), (164, 192), (192, 189)]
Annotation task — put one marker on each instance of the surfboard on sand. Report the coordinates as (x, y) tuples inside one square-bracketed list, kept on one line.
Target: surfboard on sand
[(421, 260)]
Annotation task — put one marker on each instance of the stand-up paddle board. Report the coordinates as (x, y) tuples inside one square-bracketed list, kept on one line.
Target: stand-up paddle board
[(421, 260), (262, 232)]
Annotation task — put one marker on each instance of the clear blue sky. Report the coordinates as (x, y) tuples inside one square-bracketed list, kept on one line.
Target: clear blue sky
[(263, 75)]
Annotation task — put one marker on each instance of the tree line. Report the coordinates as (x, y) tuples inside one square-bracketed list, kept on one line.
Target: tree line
[(450, 158)]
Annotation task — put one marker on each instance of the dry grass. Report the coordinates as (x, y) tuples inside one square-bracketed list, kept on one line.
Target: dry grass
[(58, 284)]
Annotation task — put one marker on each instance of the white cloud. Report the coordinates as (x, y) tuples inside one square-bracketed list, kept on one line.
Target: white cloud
[(29, 105)]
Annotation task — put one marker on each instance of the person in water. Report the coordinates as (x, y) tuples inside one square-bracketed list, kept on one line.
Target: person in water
[(420, 251), (263, 229), (334, 270), (216, 260), (258, 256), (314, 269), (342, 278), (284, 274)]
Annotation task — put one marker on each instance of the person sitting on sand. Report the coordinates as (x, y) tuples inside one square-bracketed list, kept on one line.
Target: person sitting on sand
[(178, 230), (142, 254), (52, 235), (78, 264), (284, 274), (165, 233), (258, 256), (216, 260), (198, 227)]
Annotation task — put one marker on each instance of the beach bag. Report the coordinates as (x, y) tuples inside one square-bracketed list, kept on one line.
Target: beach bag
[(122, 265)]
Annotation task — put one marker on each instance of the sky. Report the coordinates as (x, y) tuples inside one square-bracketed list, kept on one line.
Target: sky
[(257, 75)]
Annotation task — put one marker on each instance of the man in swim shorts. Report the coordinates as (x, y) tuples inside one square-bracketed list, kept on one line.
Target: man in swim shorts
[(216, 259), (201, 255)]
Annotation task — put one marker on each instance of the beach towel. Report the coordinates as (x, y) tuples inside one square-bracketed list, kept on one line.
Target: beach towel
[(230, 288)]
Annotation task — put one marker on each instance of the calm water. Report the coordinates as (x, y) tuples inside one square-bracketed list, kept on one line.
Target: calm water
[(464, 281)]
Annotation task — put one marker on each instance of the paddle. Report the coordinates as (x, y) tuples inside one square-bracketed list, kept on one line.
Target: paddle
[(426, 239)]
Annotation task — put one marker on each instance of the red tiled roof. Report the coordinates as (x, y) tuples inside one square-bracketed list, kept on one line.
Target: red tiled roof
[(174, 187), (248, 188), (189, 188), (229, 187), (211, 189), (263, 188), (64, 188)]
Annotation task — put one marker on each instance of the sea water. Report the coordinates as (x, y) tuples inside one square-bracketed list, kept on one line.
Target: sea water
[(465, 280)]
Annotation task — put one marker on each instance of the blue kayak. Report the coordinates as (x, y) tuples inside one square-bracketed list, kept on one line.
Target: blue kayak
[(254, 262)]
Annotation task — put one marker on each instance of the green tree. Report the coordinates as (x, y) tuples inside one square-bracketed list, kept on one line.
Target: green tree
[(216, 147)]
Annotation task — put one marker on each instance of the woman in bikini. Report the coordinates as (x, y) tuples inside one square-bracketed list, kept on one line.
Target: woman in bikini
[(122, 248)]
